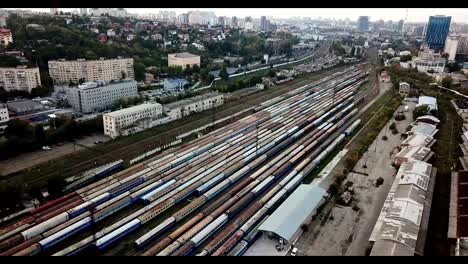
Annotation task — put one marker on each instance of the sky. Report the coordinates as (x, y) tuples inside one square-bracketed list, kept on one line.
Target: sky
[(395, 14)]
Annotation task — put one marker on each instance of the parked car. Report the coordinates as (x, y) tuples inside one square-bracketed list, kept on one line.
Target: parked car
[(46, 148), (97, 142), (294, 252)]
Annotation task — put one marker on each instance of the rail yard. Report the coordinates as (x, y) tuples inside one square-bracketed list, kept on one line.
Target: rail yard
[(205, 197)]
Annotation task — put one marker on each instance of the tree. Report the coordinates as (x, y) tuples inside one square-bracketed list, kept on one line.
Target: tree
[(224, 74), (139, 69), (445, 55), (272, 73), (447, 82), (39, 134), (55, 186), (353, 49), (420, 111)]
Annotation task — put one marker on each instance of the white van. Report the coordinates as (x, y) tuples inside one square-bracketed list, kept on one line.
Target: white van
[(294, 252)]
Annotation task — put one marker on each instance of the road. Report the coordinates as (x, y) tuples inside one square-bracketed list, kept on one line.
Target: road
[(31, 159)]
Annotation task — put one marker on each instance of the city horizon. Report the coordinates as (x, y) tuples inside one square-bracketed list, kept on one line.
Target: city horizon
[(412, 15)]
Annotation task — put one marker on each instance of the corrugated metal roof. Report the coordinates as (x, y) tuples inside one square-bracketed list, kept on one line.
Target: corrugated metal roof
[(418, 140), (428, 100), (292, 213), (417, 153), (425, 129), (432, 118)]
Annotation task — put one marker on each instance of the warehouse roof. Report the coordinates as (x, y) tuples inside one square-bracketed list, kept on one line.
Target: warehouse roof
[(428, 100), (433, 119), (418, 153), (419, 140), (191, 100), (424, 128), (292, 213)]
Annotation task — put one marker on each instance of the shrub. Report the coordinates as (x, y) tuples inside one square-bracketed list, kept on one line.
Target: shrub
[(384, 137), (379, 182), (392, 126)]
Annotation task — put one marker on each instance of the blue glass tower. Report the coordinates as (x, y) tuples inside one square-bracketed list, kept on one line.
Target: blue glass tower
[(437, 31)]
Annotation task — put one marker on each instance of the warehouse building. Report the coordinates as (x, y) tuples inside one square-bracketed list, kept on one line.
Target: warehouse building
[(428, 119), (63, 71), (24, 106), (428, 100), (99, 96), (401, 228), (423, 128), (298, 209), (413, 153), (195, 104), (418, 140), (115, 121)]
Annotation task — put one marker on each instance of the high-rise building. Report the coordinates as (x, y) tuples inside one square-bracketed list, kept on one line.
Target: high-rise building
[(54, 11), (234, 22), (20, 78), (401, 25), (83, 11), (194, 17), (363, 23), (183, 18), (221, 21), (63, 71), (456, 44), (437, 31), (263, 23)]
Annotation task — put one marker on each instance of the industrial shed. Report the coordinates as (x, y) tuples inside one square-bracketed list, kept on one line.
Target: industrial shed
[(297, 209)]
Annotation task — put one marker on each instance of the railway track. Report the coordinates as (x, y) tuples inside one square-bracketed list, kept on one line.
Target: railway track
[(198, 167), (131, 151)]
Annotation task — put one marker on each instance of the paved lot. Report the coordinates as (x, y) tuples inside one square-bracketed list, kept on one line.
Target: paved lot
[(27, 160), (347, 231)]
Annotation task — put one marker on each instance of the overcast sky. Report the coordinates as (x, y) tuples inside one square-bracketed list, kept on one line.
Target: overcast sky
[(414, 14)]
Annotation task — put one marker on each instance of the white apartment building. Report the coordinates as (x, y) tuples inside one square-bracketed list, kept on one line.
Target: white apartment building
[(451, 45), (195, 104), (183, 59), (98, 96), (115, 121), (5, 37), (64, 71), (20, 78)]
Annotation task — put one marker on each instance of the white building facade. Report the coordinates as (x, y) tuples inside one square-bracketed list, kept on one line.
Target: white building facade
[(63, 71), (4, 117), (199, 103), (20, 78), (115, 121), (98, 96)]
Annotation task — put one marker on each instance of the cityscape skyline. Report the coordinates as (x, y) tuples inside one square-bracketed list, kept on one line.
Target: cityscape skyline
[(395, 14)]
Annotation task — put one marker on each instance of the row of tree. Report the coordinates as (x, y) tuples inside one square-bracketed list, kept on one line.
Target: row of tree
[(23, 137)]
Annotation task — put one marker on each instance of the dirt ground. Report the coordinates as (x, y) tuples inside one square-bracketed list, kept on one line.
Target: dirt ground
[(345, 231), (31, 159)]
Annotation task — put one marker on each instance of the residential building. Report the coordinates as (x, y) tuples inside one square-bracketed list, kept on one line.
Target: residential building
[(98, 96), (54, 11), (171, 84), (437, 31), (4, 117), (183, 59), (404, 88), (428, 100), (263, 23), (115, 121), (5, 37), (194, 17), (363, 23), (451, 45), (401, 25), (20, 78), (83, 11), (195, 104), (64, 71), (183, 18)]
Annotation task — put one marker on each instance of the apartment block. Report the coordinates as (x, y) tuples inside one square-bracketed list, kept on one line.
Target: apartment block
[(5, 37), (64, 71), (20, 78)]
